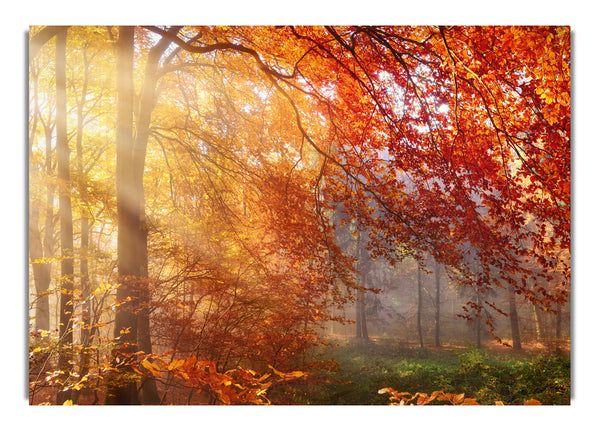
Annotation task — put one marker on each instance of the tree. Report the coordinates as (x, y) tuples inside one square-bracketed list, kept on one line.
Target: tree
[(514, 319), (437, 304), (420, 305), (41, 241), (128, 216), (363, 264), (65, 210)]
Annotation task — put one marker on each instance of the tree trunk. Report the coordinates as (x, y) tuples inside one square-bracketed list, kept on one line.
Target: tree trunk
[(85, 334), (361, 319), (85, 221), (147, 103), (49, 227), (419, 306), (65, 212), (125, 330), (514, 319), (358, 319), (39, 249), (41, 271), (437, 305), (478, 323), (557, 328), (540, 336)]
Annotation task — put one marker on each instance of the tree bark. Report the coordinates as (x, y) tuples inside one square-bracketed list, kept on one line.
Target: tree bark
[(65, 212), (125, 330), (478, 323), (85, 221), (38, 248), (361, 319), (557, 328), (132, 244), (85, 334), (514, 319), (147, 103), (437, 305), (419, 306), (41, 271), (539, 329)]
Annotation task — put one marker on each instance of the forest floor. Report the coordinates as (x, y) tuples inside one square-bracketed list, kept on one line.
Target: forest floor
[(490, 374), (355, 373)]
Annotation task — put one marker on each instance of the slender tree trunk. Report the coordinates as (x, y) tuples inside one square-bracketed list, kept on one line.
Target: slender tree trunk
[(437, 305), (557, 328), (361, 317), (358, 315), (49, 227), (65, 212), (125, 317), (478, 323), (514, 319), (41, 271), (539, 333), (147, 102), (419, 306), (361, 324), (39, 249), (85, 221), (85, 334)]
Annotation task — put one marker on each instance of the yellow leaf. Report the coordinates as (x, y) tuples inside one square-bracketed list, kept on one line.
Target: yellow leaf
[(68, 403), (176, 364), (79, 384), (153, 368)]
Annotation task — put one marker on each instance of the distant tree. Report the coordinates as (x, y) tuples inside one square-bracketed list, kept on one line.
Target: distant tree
[(514, 319), (420, 305), (363, 264), (437, 270)]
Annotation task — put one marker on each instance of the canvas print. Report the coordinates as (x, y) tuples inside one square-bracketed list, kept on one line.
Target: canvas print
[(299, 215)]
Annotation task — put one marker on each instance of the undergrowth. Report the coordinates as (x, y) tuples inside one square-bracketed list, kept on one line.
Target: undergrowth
[(486, 376)]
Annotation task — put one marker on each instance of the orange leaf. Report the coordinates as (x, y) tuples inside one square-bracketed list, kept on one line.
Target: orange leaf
[(532, 402), (457, 399), (190, 361), (153, 368)]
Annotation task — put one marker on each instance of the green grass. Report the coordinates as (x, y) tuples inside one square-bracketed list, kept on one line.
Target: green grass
[(480, 374)]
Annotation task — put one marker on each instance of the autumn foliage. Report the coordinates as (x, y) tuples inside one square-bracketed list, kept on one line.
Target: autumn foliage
[(437, 397), (255, 148)]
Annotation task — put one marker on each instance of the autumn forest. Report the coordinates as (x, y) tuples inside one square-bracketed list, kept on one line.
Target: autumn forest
[(299, 215)]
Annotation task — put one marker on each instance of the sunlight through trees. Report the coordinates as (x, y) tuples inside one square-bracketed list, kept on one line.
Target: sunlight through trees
[(213, 207)]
